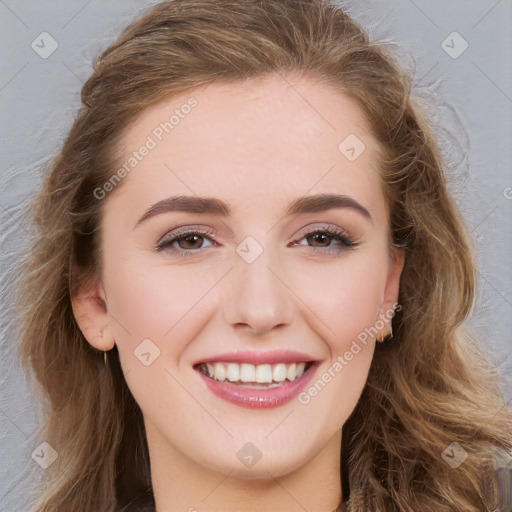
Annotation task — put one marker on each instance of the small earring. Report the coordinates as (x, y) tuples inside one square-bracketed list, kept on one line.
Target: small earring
[(105, 358), (381, 339)]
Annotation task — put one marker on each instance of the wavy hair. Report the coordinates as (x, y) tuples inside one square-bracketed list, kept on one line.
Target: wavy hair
[(432, 385)]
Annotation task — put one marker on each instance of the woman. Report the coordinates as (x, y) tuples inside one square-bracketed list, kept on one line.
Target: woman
[(197, 348)]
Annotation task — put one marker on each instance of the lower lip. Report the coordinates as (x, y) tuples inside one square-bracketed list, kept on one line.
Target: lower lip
[(260, 398)]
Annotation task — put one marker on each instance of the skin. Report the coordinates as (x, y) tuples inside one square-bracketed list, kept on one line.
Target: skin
[(257, 146)]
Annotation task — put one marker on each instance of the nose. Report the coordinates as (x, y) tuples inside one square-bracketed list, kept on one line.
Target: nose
[(258, 299)]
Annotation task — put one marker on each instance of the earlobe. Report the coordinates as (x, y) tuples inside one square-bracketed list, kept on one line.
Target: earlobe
[(90, 311)]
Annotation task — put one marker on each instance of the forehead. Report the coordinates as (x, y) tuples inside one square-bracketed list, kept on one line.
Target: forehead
[(249, 141)]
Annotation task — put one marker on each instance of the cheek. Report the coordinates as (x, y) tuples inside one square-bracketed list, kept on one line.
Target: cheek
[(345, 296), (342, 307), (158, 302)]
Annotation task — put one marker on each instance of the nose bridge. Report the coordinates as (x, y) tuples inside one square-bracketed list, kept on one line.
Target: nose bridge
[(257, 297)]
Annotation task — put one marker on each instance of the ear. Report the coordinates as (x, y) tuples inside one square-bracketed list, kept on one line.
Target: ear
[(390, 295), (90, 311)]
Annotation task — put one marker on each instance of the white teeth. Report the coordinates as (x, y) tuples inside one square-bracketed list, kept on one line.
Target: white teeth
[(279, 373), (233, 373), (220, 371), (264, 373), (247, 372), (261, 373), (291, 371)]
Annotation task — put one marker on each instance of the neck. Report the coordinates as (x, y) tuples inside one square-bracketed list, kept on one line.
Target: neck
[(181, 484)]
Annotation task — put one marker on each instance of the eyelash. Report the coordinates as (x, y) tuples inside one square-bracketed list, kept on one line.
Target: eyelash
[(341, 235)]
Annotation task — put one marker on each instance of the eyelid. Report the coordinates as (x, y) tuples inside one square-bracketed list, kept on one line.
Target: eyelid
[(185, 230), (322, 226)]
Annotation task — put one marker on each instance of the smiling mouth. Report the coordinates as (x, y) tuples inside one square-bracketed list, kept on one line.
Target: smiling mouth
[(261, 376)]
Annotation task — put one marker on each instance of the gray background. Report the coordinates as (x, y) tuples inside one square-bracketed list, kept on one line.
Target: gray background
[(472, 96)]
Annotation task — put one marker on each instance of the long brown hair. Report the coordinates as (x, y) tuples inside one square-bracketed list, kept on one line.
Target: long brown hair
[(431, 386)]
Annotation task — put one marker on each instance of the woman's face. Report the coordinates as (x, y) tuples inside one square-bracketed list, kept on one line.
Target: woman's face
[(252, 284)]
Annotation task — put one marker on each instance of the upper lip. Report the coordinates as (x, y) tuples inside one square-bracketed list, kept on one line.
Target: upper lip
[(261, 357)]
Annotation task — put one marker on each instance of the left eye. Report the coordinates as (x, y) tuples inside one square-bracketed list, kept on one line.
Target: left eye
[(191, 241), (320, 234)]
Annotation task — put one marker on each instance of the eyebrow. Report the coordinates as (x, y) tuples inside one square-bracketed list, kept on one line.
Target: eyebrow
[(209, 205)]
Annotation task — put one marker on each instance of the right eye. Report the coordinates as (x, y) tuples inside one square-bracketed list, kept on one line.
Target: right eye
[(186, 239)]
